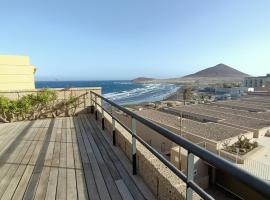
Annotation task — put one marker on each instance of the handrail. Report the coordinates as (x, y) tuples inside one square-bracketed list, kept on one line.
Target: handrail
[(252, 181)]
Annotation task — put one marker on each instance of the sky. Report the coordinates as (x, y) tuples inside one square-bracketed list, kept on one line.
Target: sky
[(125, 39)]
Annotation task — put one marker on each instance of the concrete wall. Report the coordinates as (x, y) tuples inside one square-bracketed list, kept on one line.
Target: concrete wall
[(179, 159), (16, 73), (156, 140), (227, 181), (62, 94)]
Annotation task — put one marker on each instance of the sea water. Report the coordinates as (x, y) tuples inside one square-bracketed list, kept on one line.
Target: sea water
[(121, 92)]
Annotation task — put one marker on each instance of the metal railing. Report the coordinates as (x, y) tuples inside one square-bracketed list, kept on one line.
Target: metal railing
[(253, 182)]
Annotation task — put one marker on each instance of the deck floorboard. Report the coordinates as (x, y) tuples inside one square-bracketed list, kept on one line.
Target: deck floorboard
[(62, 158)]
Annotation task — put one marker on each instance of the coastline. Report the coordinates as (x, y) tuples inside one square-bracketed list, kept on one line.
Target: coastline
[(121, 91)]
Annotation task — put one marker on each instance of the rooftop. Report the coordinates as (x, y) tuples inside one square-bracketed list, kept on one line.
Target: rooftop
[(229, 118), (242, 113), (212, 131), (244, 103)]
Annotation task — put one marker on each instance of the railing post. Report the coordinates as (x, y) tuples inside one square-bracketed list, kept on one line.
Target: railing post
[(133, 128), (92, 103), (102, 115), (113, 128), (190, 174), (96, 112)]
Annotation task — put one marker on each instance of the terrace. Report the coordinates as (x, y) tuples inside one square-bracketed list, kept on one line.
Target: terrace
[(97, 157), (64, 158)]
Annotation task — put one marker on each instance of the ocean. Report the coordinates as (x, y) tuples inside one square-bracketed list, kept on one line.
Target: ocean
[(121, 92)]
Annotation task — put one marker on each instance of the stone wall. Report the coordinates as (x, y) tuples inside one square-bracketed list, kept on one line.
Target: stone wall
[(83, 95)]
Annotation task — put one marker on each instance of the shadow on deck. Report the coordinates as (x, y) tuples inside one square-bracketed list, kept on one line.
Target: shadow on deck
[(64, 158)]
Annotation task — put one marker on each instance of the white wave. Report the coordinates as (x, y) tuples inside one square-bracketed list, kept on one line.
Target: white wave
[(122, 83), (152, 91)]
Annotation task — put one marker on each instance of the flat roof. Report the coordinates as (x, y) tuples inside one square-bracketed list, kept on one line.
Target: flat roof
[(242, 113), (226, 117), (212, 131)]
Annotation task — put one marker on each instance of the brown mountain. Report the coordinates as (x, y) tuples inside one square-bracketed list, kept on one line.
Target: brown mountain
[(142, 80), (219, 70)]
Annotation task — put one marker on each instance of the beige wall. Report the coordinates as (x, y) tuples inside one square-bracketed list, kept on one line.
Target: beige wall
[(62, 94), (16, 73), (179, 159), (151, 137)]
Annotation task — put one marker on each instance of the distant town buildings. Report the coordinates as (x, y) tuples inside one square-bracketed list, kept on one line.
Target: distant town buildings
[(259, 81), (16, 73)]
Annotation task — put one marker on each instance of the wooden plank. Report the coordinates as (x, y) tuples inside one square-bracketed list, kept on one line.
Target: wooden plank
[(49, 154), (123, 190), (11, 145), (6, 180), (58, 131), (42, 184), (13, 183), (108, 159), (11, 159), (29, 152), (53, 136), (134, 183), (43, 135), (13, 169), (73, 135), (58, 135), (40, 129), (63, 154), (81, 185), (77, 158), (62, 184), (3, 170), (70, 156), (63, 135), (23, 183), (110, 183), (89, 177), (52, 184), (35, 154), (69, 138), (71, 185), (33, 182), (101, 186), (56, 155)]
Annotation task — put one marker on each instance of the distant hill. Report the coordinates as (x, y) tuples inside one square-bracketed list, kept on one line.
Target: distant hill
[(141, 80), (219, 70)]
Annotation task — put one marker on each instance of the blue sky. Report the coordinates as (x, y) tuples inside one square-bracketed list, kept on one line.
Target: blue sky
[(124, 39)]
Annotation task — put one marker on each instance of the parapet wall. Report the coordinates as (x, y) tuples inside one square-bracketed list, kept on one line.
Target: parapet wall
[(83, 94)]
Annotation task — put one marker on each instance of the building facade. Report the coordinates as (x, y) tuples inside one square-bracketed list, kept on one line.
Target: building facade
[(16, 73), (259, 81)]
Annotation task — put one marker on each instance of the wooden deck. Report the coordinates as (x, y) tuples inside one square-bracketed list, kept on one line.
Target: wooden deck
[(64, 158)]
